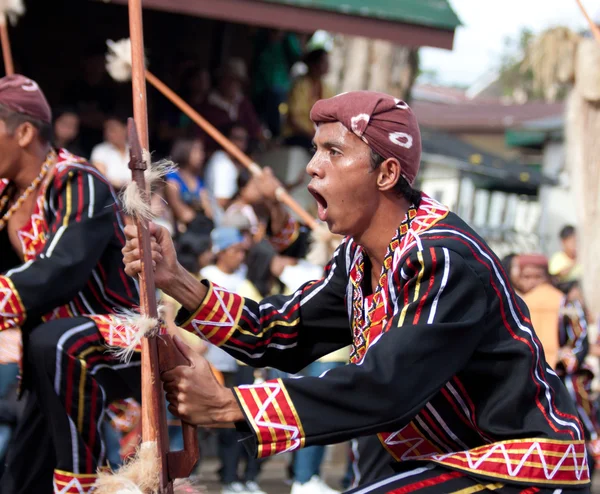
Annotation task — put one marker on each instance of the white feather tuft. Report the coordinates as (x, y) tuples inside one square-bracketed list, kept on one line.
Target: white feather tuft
[(138, 476), (158, 171), (135, 202), (138, 327), (13, 9), (118, 59), (322, 246)]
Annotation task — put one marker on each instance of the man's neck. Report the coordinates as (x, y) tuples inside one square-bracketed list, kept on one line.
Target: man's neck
[(382, 228), (30, 167)]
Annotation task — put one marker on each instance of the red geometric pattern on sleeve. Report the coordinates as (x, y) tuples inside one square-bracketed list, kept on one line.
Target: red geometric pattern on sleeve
[(217, 317), (12, 312), (273, 417), (73, 483)]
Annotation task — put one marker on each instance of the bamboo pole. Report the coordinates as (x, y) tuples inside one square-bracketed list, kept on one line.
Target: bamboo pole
[(282, 195)]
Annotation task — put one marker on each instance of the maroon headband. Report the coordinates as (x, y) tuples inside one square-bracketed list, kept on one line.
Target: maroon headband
[(23, 95), (386, 124)]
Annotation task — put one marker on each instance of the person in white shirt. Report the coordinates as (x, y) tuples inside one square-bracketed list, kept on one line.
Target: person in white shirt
[(230, 249), (220, 177), (111, 157)]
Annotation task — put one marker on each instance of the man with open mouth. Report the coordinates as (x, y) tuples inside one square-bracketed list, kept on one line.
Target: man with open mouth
[(445, 365)]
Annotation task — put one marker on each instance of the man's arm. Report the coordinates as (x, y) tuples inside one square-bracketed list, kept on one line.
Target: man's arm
[(83, 211), (438, 323), (285, 332)]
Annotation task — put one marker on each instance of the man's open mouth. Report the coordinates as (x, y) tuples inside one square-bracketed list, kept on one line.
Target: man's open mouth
[(321, 203)]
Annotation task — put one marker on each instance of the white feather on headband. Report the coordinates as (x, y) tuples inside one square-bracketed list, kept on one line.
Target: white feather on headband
[(13, 9)]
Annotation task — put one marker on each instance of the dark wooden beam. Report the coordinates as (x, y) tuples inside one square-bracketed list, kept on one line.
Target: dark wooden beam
[(301, 19)]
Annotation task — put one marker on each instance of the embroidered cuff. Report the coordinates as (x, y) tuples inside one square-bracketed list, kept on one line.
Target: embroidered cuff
[(216, 318), (272, 417), (12, 310)]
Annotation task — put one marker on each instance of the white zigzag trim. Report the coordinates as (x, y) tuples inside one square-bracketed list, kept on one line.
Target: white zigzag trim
[(276, 387), (534, 448), (228, 323), (74, 483), (7, 293)]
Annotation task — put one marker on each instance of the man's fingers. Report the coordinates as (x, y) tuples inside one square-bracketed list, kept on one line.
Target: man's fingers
[(133, 268), (185, 350), (130, 231)]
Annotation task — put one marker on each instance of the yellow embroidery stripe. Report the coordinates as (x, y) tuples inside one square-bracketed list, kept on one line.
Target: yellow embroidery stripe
[(249, 418), (223, 316), (264, 415), (81, 396), (280, 414), (201, 306), (417, 288), (479, 487), (293, 409), (68, 200), (75, 475)]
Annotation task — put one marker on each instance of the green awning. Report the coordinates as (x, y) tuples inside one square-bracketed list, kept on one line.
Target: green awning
[(524, 138), (434, 13)]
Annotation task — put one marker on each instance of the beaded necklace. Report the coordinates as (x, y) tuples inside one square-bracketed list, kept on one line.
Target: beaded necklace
[(27, 192)]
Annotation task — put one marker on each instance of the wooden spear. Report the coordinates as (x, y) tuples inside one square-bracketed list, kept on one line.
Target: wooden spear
[(8, 9), (119, 70), (158, 353)]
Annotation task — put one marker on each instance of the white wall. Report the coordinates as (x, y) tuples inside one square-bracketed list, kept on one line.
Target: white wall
[(441, 183), (556, 201)]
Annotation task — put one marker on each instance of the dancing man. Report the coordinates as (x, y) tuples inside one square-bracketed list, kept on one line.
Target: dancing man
[(445, 365), (60, 283)]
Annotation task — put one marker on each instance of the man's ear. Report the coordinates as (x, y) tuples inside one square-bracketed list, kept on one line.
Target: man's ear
[(388, 174), (25, 134)]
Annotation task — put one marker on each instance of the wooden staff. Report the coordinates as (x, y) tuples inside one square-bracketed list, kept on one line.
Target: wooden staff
[(595, 29), (282, 195), (9, 67), (154, 423)]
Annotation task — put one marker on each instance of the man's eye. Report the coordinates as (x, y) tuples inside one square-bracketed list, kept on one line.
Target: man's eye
[(334, 152)]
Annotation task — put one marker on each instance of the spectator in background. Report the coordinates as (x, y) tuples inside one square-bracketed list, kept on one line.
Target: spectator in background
[(510, 263), (230, 252), (222, 170), (111, 156), (306, 91), (544, 302), (242, 206), (277, 52), (563, 264), (185, 191), (66, 130), (227, 104)]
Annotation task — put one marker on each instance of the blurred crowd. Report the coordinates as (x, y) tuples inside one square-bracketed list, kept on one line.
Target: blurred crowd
[(227, 225)]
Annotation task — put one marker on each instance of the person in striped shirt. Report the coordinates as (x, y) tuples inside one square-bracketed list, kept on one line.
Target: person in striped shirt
[(61, 284), (445, 365)]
